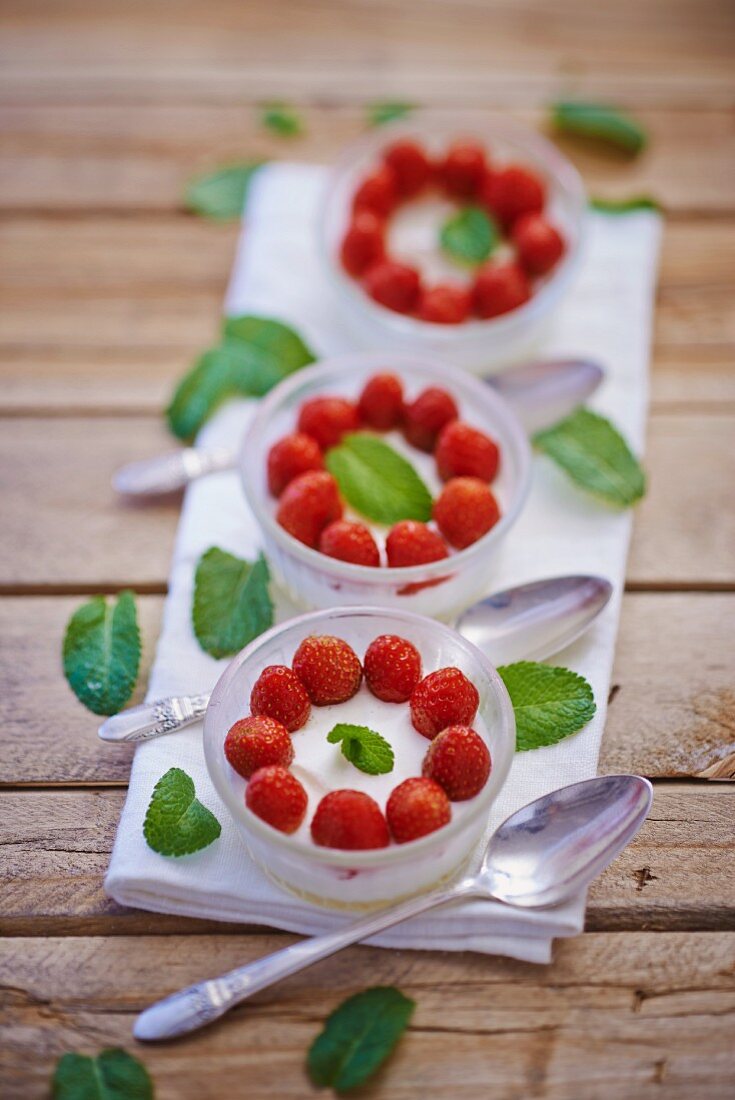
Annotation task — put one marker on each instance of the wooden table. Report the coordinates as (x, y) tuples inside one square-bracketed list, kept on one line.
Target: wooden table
[(109, 289)]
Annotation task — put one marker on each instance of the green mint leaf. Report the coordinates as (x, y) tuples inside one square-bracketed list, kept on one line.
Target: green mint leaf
[(358, 1036), (221, 195), (549, 703), (594, 120), (176, 823), (594, 454), (367, 750), (469, 235), (232, 604), (381, 113), (625, 206), (255, 354), (112, 1075), (378, 482), (281, 119), (101, 652)]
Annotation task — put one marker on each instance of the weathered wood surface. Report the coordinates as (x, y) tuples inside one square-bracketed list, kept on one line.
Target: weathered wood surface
[(616, 1016)]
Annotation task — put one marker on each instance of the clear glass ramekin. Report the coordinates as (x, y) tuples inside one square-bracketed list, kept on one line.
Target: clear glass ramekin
[(440, 589), (359, 879), (480, 346)]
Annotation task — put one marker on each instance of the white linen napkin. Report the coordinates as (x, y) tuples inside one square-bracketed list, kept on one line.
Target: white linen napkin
[(607, 316)]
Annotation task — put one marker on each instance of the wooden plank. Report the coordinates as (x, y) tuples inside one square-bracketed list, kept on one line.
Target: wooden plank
[(675, 875), (614, 1016), (107, 156)]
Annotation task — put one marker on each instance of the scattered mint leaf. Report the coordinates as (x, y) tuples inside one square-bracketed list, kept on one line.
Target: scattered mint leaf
[(469, 235), (378, 482), (221, 195), (176, 823), (358, 1036), (232, 604), (101, 652), (549, 703), (367, 750), (593, 120), (112, 1075), (255, 354), (381, 113), (594, 454), (281, 119), (625, 206)]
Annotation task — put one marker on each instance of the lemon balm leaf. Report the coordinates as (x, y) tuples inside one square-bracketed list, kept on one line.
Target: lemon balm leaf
[(469, 236), (358, 1037), (221, 195), (603, 123), (101, 652), (549, 703), (176, 823), (367, 750), (232, 603), (376, 481), (112, 1075)]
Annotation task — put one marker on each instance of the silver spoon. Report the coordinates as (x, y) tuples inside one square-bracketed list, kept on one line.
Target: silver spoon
[(531, 620), (541, 855), (540, 393)]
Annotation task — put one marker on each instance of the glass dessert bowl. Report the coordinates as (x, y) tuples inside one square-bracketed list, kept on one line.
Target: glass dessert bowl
[(412, 232), (354, 879), (440, 588)]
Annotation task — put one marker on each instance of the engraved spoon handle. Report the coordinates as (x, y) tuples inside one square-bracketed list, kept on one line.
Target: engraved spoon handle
[(154, 719), (166, 473)]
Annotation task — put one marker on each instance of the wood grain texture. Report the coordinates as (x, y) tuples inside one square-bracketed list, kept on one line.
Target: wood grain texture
[(615, 1016)]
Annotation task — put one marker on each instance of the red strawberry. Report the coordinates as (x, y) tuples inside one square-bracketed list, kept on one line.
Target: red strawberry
[(410, 166), (351, 820), (512, 191), (308, 504), (417, 807), (459, 760), (465, 511), (443, 698), (499, 288), (279, 694), (392, 668), (445, 305), (381, 402), (463, 169), (463, 451), (393, 285), (425, 417), (540, 246), (329, 669), (412, 543), (348, 541), (289, 457), (276, 796), (363, 243), (377, 192), (257, 741), (327, 419)]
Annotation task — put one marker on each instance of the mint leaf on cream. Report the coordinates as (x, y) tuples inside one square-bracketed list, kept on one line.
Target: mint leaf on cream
[(469, 236), (376, 481), (101, 652), (176, 823), (221, 195), (232, 604), (367, 750), (549, 703)]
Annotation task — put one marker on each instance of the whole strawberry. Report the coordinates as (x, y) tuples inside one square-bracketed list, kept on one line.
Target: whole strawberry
[(499, 288), (464, 451), (329, 669), (445, 304), (410, 165), (417, 807), (349, 541), (465, 511), (443, 698), (350, 820), (381, 402), (377, 192), (392, 668), (540, 246), (363, 243), (395, 286), (291, 456), (459, 760), (278, 693), (512, 191), (256, 742), (327, 419), (413, 543), (425, 417), (276, 796), (308, 504)]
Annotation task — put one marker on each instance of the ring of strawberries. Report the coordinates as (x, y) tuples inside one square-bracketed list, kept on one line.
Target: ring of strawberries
[(311, 509), (326, 671), (512, 195)]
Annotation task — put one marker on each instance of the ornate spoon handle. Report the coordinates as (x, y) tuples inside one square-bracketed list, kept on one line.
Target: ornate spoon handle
[(154, 719), (166, 473)]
